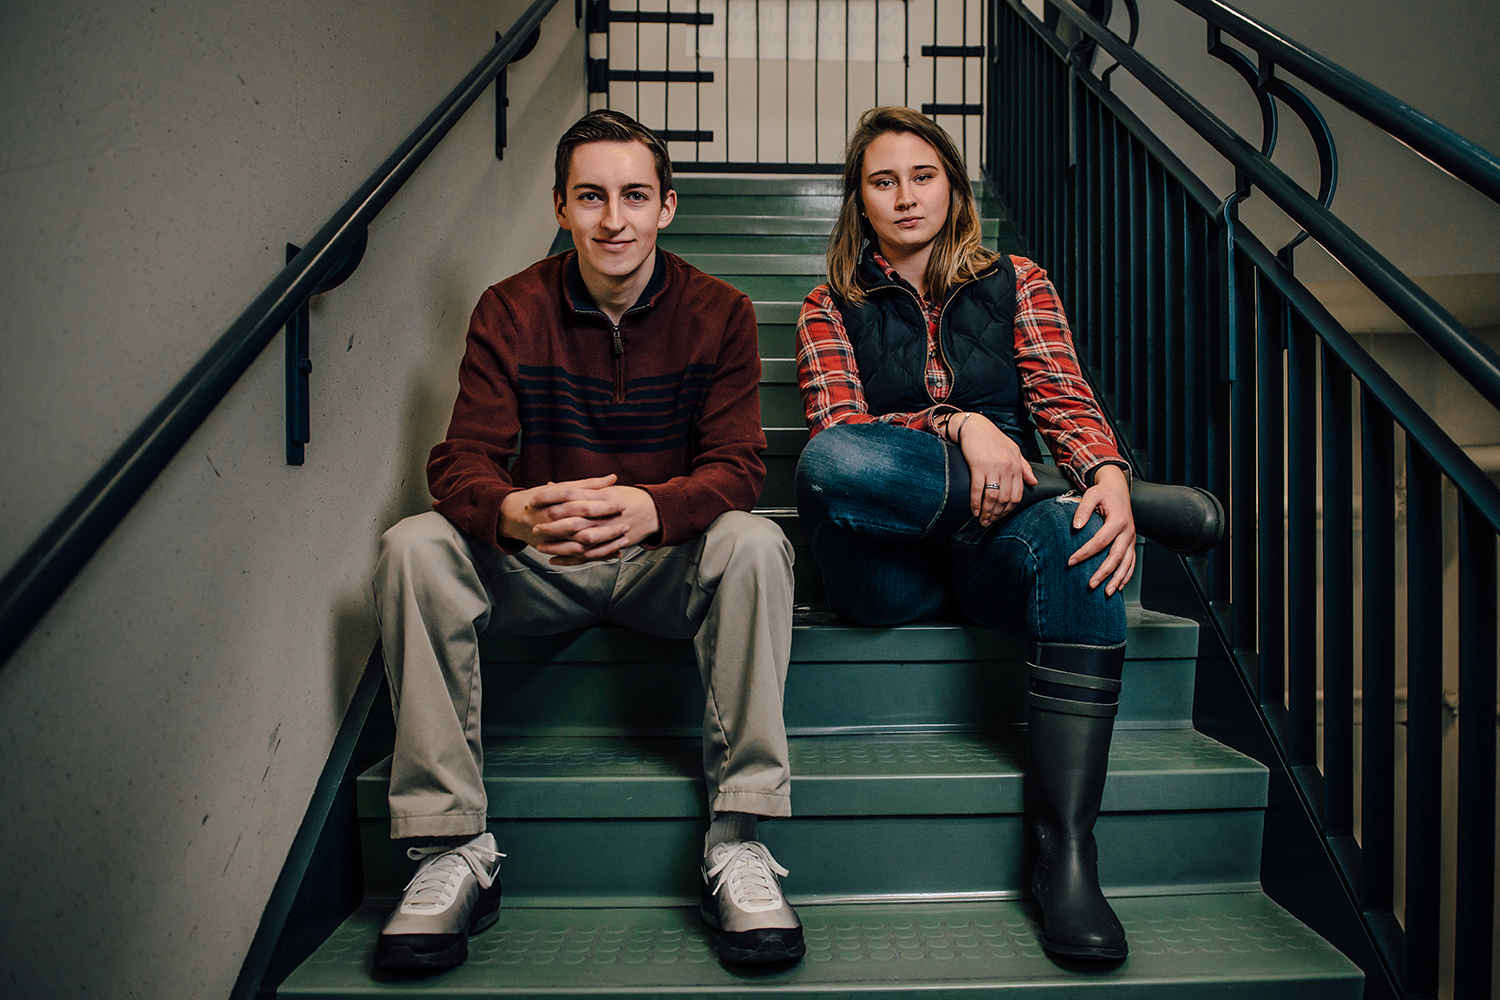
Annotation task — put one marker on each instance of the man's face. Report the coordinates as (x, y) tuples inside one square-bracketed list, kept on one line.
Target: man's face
[(613, 207)]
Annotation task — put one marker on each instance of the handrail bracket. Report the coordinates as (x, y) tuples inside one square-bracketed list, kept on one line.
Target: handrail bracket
[(299, 353)]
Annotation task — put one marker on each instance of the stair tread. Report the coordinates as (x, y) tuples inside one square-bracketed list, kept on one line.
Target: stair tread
[(1236, 944), (534, 777), (822, 635)]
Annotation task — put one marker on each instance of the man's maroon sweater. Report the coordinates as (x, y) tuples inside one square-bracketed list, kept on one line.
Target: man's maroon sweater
[(668, 401)]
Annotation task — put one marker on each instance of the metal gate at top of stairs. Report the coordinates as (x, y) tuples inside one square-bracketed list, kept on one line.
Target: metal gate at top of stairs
[(775, 86)]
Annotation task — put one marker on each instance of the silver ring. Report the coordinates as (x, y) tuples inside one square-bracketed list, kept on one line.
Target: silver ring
[(992, 486)]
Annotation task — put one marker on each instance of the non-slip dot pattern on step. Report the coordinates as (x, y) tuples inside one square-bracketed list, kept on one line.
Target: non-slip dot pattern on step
[(948, 753), (944, 753), (1219, 933), (589, 943), (922, 939), (1180, 946), (1187, 749), (562, 755)]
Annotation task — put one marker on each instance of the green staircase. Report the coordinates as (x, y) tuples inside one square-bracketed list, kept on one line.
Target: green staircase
[(908, 850)]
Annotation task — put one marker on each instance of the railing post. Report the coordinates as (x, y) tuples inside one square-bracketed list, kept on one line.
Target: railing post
[(1424, 719), (1473, 923), (1338, 600)]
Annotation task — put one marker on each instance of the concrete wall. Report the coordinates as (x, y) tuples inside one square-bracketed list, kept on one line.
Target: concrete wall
[(162, 729)]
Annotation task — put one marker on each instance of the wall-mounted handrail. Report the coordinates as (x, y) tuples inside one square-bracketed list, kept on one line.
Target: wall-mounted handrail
[(1475, 361), (1445, 148), (45, 569)]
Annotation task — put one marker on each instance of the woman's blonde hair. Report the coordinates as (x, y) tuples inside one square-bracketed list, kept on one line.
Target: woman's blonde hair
[(957, 254)]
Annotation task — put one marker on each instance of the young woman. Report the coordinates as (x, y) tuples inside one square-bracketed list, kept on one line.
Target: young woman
[(923, 363)]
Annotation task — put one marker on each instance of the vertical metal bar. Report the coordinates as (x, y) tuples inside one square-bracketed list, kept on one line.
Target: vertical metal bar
[(986, 111), (1012, 105), (1067, 177), (1424, 722), (666, 86), (906, 53), (963, 82), (727, 156), (1092, 245), (817, 58), (1044, 127), (757, 81), (698, 86), (1473, 924), (1072, 194), (1104, 235), (1174, 414), (935, 7), (1023, 141), (1197, 377), (1140, 274), (846, 66), (636, 111), (1302, 540), (1155, 357), (1377, 530), (1118, 309), (1219, 395), (1238, 303), (1338, 600), (786, 91), (1271, 501), (1045, 162), (1014, 144), (875, 70)]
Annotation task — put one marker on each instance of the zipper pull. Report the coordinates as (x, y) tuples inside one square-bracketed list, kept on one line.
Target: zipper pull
[(619, 344)]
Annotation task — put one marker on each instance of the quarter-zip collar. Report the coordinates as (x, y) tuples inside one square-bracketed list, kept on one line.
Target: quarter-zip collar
[(580, 301)]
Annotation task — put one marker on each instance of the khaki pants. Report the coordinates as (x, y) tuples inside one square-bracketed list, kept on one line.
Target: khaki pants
[(437, 590)]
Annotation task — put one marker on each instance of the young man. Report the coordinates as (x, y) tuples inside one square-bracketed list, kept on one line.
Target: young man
[(623, 383)]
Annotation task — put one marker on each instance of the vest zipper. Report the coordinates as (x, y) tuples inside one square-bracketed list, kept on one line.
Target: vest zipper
[(941, 320), (941, 353)]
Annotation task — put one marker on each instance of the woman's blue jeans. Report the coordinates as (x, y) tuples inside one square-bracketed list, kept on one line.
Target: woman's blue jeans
[(886, 509)]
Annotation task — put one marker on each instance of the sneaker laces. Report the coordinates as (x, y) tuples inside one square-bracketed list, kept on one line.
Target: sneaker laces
[(746, 869), (435, 885)]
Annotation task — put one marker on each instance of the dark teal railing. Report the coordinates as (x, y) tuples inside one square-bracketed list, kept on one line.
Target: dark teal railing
[(45, 569), (1217, 362)]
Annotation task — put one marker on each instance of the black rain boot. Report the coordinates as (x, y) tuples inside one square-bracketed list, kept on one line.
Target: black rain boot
[(1074, 698)]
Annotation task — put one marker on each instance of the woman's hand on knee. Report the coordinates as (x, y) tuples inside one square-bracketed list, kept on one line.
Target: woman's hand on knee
[(1110, 496), (998, 472)]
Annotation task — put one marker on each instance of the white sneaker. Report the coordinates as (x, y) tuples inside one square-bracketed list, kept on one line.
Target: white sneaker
[(455, 893), (743, 902)]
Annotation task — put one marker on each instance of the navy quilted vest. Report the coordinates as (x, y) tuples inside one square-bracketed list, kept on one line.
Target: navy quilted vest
[(976, 335)]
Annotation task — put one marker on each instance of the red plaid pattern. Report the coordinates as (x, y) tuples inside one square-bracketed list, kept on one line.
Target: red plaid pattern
[(1054, 389)]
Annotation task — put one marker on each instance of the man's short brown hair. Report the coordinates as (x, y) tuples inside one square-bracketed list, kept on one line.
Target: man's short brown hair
[(605, 125)]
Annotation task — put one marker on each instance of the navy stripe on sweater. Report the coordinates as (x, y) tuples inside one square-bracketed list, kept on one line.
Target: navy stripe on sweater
[(571, 411)]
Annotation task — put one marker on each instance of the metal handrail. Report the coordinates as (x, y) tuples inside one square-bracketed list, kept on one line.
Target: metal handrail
[(1185, 313), (45, 569), (1476, 362), (1445, 148)]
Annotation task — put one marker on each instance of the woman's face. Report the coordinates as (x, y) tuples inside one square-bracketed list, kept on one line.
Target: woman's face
[(905, 192)]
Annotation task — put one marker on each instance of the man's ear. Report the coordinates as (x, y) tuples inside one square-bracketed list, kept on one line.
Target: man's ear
[(668, 209), (560, 209)]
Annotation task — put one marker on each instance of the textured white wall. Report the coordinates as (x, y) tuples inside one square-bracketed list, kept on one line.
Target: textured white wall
[(162, 729)]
